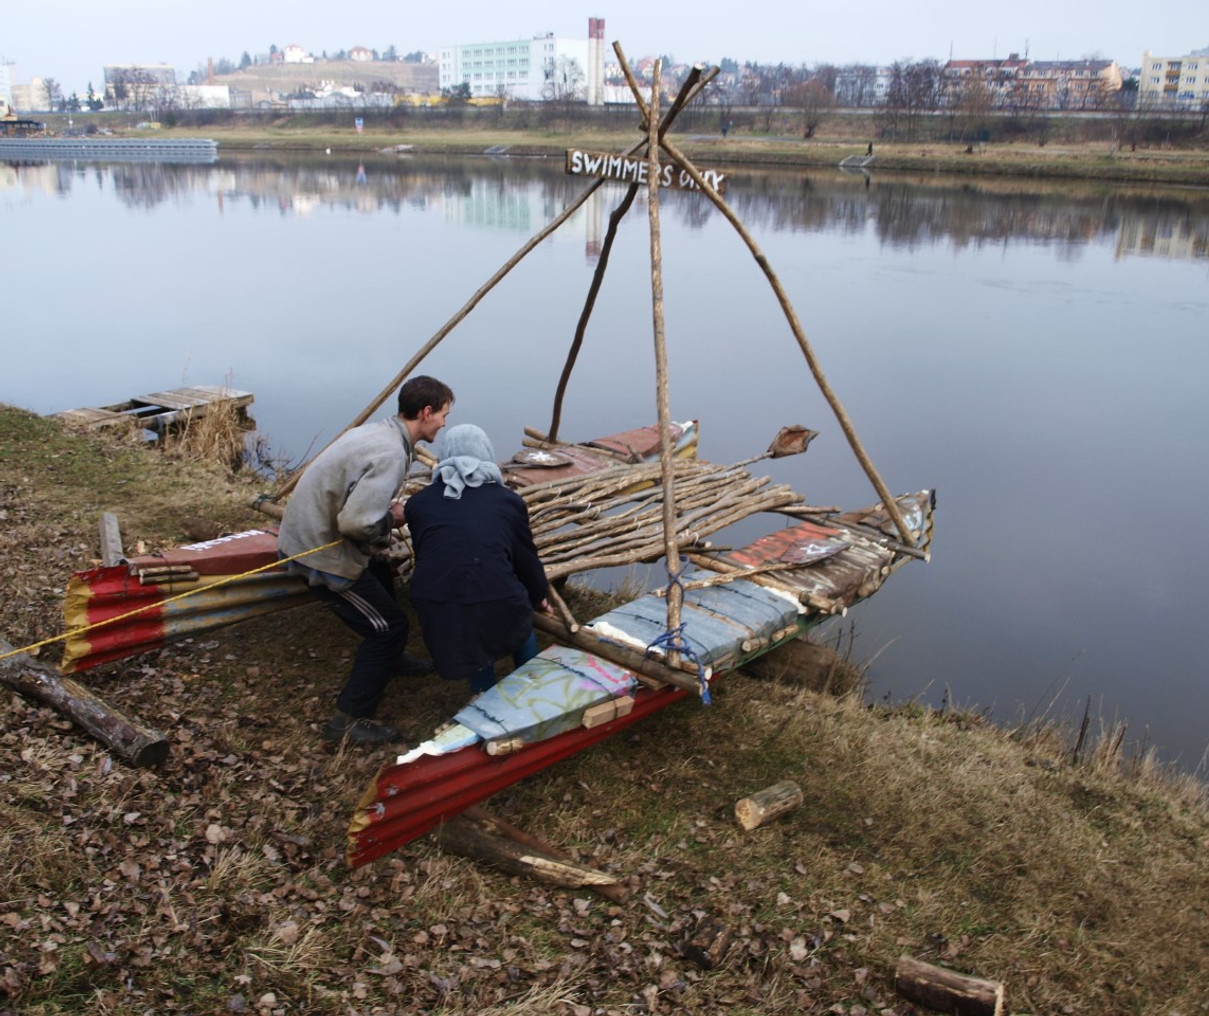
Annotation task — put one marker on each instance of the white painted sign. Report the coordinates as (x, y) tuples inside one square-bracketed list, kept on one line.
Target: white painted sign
[(633, 169)]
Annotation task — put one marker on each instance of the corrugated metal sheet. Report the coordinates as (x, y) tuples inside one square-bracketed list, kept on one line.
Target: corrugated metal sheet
[(136, 603)]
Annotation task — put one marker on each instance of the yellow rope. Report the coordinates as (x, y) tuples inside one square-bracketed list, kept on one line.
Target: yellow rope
[(160, 603)]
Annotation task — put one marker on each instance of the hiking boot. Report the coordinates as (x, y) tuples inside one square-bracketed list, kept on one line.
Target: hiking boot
[(360, 729), (409, 665)]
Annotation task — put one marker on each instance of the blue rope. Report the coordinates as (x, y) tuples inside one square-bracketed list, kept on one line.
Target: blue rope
[(672, 641)]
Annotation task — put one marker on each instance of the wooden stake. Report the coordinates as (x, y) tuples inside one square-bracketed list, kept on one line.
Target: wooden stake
[(671, 550), (564, 611), (138, 744), (946, 990)]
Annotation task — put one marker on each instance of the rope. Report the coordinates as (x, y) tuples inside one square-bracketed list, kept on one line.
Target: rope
[(672, 641), (160, 603)]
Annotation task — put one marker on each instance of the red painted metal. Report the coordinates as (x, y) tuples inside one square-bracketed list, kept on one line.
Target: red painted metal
[(406, 801), (113, 613), (226, 555)]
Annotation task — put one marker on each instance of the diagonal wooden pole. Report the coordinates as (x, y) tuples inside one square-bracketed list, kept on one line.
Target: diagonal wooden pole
[(693, 84), (791, 315), (796, 326)]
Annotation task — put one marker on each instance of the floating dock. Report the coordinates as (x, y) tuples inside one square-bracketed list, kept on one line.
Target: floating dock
[(160, 411), (111, 149)]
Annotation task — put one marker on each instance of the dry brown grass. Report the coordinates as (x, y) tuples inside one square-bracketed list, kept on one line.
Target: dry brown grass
[(218, 438), (217, 883)]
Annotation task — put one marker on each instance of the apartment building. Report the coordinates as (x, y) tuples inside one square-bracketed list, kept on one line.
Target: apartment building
[(1175, 81), (539, 68), (1071, 84), (994, 80)]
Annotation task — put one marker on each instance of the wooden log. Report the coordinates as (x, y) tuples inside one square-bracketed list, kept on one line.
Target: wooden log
[(564, 611), (606, 712), (267, 506), (767, 804), (482, 837), (140, 745), (707, 945), (947, 991)]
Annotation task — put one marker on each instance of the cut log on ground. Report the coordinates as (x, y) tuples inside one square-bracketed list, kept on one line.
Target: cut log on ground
[(767, 804), (482, 837), (140, 745), (797, 662), (947, 991), (707, 945)]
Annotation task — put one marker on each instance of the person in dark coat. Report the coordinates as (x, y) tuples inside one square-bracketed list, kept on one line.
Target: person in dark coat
[(477, 577)]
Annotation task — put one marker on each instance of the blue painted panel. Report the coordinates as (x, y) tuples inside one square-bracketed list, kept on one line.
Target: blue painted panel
[(758, 609), (545, 696), (710, 638)]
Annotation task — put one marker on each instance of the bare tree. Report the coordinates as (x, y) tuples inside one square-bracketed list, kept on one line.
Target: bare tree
[(54, 93), (814, 99), (972, 107), (913, 91)]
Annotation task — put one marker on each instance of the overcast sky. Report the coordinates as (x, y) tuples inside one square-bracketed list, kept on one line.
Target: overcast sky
[(71, 40)]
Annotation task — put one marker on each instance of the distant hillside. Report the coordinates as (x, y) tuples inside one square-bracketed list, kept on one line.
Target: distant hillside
[(409, 77)]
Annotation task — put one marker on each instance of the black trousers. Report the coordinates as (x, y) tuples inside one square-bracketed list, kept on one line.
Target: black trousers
[(368, 607)]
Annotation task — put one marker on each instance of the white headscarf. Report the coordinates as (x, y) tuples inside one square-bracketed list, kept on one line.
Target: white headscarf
[(468, 460)]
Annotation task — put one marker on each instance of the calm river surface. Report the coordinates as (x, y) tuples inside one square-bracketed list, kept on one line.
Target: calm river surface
[(1036, 354)]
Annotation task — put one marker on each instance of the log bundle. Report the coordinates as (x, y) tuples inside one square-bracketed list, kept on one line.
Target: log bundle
[(616, 516)]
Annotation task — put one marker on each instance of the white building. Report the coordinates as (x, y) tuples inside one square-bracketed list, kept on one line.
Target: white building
[(203, 96), (7, 76), (31, 98), (862, 86), (543, 67), (1174, 81)]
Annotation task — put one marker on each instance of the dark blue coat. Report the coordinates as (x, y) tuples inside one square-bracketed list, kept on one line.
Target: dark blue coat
[(477, 576)]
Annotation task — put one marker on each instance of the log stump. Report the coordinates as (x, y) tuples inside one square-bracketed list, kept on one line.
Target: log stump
[(767, 804)]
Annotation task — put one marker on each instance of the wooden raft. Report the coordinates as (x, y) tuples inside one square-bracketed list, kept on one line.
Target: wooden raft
[(160, 410)]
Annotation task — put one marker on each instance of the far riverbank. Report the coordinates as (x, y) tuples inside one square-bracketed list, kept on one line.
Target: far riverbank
[(1105, 160)]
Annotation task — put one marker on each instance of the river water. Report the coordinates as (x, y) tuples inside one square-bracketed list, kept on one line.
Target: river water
[(1036, 353)]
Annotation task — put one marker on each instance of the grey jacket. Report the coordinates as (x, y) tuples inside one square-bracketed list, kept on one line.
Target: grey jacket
[(345, 495)]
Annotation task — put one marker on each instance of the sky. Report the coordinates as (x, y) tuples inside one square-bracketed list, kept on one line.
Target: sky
[(71, 40)]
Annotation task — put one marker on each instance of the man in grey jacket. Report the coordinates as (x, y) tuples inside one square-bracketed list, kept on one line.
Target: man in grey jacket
[(346, 497)]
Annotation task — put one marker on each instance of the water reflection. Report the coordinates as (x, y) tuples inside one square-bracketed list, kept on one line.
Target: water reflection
[(523, 194)]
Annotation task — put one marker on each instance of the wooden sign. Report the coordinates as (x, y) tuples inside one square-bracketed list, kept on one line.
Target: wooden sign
[(633, 169)]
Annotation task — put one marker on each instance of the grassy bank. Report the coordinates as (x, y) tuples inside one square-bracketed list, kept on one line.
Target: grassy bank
[(1057, 149), (216, 883)]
